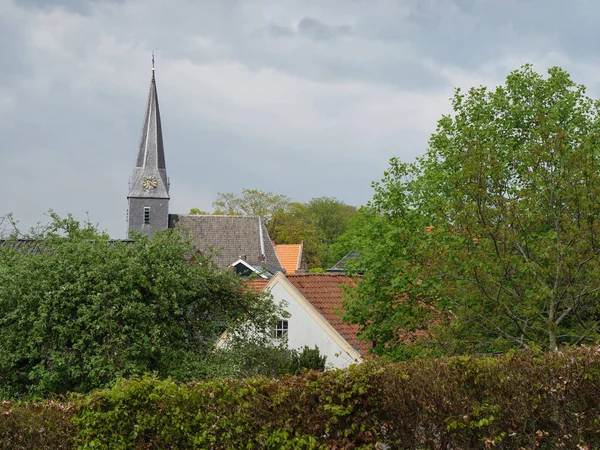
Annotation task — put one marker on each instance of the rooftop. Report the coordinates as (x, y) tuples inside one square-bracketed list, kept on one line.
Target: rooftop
[(325, 291), (230, 238), (290, 256)]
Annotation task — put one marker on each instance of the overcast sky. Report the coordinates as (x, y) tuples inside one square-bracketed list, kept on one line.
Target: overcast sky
[(304, 98)]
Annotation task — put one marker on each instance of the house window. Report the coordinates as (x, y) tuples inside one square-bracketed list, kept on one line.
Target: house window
[(146, 214), (281, 329)]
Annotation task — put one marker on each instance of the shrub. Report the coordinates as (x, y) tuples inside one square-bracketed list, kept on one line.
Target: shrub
[(307, 359), (313, 411), (249, 358), (40, 426), (519, 400)]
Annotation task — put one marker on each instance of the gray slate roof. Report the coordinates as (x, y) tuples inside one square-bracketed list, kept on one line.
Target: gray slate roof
[(150, 159), (19, 244), (33, 245), (231, 237)]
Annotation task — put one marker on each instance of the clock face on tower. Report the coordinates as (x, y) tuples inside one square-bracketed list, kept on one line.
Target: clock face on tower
[(149, 182)]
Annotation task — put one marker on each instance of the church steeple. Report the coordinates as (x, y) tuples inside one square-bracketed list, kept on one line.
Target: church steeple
[(149, 186)]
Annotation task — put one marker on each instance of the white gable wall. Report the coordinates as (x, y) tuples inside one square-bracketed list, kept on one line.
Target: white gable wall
[(308, 327)]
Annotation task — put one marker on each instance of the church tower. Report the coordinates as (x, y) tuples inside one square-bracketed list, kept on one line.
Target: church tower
[(148, 198)]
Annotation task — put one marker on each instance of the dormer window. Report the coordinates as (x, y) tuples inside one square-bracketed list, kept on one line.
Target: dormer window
[(146, 215)]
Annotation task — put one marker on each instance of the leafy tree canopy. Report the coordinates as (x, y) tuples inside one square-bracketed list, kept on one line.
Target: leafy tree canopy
[(78, 310), (491, 240), (250, 202), (317, 223)]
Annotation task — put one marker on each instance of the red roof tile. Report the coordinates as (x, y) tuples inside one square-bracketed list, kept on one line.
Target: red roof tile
[(324, 292), (256, 284), (289, 256)]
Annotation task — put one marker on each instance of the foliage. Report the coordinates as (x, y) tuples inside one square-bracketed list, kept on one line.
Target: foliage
[(250, 202), (518, 400), (317, 223), (359, 235), (78, 310), (198, 211), (311, 412), (307, 359), (490, 241), (251, 357), (44, 425), (332, 216)]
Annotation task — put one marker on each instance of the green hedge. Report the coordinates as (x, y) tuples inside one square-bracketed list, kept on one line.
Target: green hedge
[(44, 425), (518, 400)]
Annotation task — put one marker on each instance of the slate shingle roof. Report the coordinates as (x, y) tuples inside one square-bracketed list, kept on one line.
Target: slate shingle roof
[(231, 237), (34, 245), (150, 160), (324, 292), (290, 256), (19, 243)]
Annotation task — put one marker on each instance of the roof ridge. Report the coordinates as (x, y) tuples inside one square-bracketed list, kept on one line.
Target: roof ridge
[(218, 215), (326, 274)]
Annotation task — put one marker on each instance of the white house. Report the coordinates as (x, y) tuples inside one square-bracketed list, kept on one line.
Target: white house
[(314, 304)]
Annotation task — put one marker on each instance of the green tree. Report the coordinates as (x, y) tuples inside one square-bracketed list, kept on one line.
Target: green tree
[(357, 235), (297, 224), (293, 224), (198, 211), (317, 223), (332, 216), (490, 241), (250, 202), (78, 310)]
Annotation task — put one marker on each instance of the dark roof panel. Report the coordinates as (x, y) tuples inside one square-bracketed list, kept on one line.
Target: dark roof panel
[(231, 238)]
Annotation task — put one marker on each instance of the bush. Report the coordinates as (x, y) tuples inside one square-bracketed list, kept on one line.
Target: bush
[(250, 358), (40, 426), (313, 411), (518, 400), (307, 359)]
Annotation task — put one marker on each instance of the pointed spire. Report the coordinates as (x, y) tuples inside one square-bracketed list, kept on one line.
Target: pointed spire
[(150, 161)]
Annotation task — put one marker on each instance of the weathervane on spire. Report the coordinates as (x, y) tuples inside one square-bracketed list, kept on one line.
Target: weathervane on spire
[(153, 64)]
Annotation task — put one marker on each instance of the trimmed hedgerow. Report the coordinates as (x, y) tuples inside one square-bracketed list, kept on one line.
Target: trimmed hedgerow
[(518, 400), (312, 411), (40, 426)]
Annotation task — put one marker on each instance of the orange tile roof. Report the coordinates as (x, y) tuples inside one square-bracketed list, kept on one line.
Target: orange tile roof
[(256, 284), (324, 292), (289, 256)]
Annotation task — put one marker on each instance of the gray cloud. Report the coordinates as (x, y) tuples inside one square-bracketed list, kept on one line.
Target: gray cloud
[(311, 28), (76, 6), (305, 98)]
